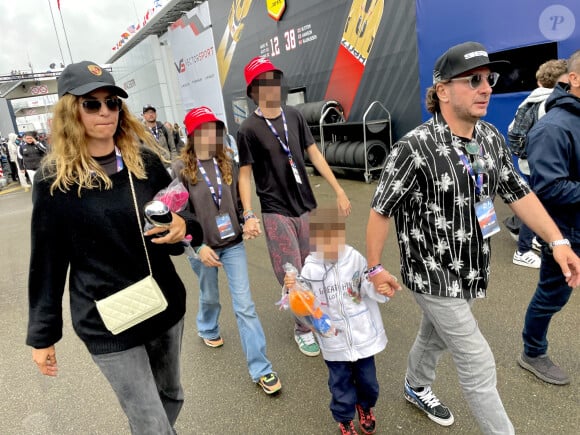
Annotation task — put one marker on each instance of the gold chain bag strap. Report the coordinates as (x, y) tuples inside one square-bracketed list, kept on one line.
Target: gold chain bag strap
[(136, 303)]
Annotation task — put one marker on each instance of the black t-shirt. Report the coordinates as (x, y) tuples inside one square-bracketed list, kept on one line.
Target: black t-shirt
[(275, 183), (108, 162)]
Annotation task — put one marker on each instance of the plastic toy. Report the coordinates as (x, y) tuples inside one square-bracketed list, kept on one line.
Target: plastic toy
[(304, 304)]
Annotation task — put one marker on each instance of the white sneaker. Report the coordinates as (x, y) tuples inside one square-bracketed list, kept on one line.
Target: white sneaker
[(527, 259), (536, 246)]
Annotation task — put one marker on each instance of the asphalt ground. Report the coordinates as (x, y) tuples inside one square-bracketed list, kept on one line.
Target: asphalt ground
[(219, 395)]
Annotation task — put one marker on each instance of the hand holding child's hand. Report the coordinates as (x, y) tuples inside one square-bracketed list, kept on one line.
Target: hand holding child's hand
[(385, 283)]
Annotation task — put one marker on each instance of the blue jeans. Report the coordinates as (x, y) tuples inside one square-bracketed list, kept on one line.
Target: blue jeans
[(449, 324), (526, 235), (147, 382), (552, 293), (352, 383), (249, 326)]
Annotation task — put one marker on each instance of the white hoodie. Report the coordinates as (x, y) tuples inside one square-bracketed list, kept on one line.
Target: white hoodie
[(350, 300)]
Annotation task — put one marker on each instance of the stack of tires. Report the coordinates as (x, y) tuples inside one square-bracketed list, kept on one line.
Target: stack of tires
[(351, 154), (312, 112)]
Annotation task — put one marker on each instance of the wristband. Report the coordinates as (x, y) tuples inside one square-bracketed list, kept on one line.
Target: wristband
[(249, 214), (199, 248), (375, 270)]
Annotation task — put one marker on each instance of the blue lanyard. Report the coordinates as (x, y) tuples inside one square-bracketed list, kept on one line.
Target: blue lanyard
[(284, 146), (120, 164), (155, 131), (217, 199), (479, 178)]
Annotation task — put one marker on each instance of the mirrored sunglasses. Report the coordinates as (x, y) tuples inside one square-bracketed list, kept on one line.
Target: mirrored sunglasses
[(93, 106), (475, 80), (479, 164)]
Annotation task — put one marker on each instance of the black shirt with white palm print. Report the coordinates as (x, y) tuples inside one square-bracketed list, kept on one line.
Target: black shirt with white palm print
[(430, 193)]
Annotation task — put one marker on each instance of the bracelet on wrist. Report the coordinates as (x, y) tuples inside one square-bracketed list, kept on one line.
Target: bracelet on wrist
[(249, 216), (199, 248), (375, 270), (561, 242)]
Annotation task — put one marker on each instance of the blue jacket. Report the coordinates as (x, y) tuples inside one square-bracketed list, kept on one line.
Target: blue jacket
[(554, 157)]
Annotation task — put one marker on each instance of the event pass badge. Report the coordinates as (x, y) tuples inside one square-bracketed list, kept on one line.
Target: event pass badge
[(225, 227), (487, 217)]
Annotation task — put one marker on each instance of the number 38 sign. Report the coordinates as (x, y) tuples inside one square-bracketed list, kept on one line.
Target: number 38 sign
[(276, 8)]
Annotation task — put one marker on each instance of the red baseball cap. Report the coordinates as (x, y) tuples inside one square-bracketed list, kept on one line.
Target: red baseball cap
[(255, 67), (198, 116)]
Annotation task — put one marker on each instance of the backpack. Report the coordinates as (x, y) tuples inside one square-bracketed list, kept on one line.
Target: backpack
[(164, 130), (526, 117)]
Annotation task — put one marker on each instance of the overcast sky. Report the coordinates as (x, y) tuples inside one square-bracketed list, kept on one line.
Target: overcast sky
[(93, 27)]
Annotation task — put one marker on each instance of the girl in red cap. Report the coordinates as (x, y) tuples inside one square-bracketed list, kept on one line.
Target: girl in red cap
[(206, 168)]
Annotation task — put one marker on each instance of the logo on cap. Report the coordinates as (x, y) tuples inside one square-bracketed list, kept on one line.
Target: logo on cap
[(475, 54), (257, 62), (200, 111), (95, 70)]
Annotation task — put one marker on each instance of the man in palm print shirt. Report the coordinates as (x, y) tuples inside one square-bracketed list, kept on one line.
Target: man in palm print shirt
[(435, 179)]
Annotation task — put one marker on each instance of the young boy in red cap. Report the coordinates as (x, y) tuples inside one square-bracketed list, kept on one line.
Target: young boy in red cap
[(272, 142)]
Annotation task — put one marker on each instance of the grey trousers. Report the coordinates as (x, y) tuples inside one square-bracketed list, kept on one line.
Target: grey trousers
[(449, 324), (147, 382)]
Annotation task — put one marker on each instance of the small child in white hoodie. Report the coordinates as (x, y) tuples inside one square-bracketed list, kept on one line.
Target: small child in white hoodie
[(336, 273)]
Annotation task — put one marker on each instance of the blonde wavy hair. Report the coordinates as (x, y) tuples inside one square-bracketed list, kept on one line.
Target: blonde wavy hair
[(223, 157), (69, 160)]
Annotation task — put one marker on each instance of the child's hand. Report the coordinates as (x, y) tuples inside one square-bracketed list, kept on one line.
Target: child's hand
[(385, 284), (289, 280)]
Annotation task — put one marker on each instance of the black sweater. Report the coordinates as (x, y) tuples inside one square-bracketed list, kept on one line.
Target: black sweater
[(97, 235)]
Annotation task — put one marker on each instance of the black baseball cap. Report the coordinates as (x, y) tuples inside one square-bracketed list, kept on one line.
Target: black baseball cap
[(84, 77), (147, 107), (462, 58)]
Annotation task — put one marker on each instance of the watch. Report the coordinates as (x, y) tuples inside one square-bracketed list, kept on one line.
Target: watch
[(559, 243)]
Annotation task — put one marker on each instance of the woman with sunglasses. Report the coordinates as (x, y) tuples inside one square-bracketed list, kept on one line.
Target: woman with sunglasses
[(87, 199), (208, 171)]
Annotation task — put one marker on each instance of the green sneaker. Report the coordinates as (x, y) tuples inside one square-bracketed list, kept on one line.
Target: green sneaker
[(307, 344)]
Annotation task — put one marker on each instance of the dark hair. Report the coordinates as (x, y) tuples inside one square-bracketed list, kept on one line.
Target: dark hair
[(32, 133), (432, 100)]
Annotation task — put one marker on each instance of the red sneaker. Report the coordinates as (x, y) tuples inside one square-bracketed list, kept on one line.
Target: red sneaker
[(366, 420), (347, 428)]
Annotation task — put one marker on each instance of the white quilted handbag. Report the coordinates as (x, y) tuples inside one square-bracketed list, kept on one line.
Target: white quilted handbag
[(136, 303)]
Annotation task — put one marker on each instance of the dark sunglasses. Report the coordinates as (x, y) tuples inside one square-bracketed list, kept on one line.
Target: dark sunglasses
[(475, 80), (479, 164), (93, 106)]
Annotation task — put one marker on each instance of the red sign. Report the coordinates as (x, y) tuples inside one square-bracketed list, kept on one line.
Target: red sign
[(36, 90), (276, 8)]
